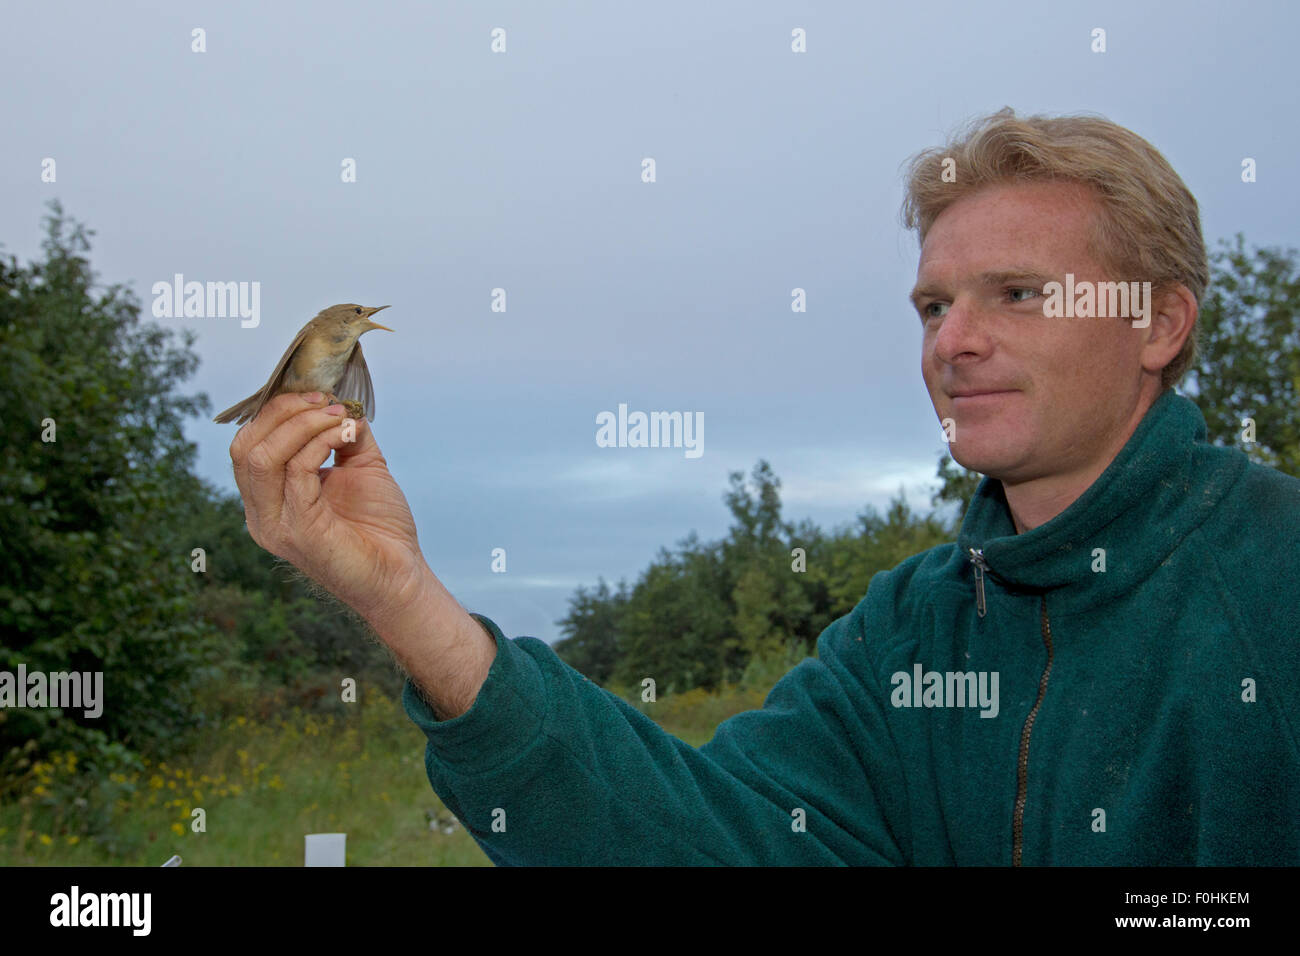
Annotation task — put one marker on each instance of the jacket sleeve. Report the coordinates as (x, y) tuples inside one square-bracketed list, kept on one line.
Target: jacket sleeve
[(547, 768)]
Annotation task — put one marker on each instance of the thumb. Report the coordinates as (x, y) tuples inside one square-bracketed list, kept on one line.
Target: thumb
[(361, 450)]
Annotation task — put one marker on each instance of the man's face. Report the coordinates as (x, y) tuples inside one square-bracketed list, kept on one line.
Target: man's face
[(1068, 386)]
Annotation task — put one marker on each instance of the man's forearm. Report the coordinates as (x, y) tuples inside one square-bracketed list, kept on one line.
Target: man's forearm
[(445, 651)]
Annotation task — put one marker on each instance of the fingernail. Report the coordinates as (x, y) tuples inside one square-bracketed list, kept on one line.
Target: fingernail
[(335, 410), (313, 397)]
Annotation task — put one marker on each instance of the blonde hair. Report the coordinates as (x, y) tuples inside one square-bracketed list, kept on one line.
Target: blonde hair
[(1149, 227)]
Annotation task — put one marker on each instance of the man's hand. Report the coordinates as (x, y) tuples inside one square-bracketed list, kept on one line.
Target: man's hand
[(348, 527)]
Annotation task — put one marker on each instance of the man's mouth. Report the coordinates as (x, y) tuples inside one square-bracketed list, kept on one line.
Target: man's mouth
[(974, 397)]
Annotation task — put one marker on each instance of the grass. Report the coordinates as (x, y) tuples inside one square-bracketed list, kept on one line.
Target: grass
[(263, 784)]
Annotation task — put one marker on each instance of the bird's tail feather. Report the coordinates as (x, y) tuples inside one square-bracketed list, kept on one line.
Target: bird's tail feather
[(242, 411)]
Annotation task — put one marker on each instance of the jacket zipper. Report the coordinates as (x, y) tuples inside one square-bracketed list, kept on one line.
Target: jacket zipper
[(1022, 770), (977, 559)]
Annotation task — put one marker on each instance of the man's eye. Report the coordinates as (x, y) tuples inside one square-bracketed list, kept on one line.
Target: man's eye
[(927, 314), (1013, 291)]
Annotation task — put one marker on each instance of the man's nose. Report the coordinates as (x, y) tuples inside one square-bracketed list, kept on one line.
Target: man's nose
[(963, 330)]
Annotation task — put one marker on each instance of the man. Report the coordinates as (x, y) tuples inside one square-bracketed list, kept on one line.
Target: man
[(1101, 670)]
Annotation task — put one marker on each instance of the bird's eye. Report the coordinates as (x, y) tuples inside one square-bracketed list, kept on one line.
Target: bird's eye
[(357, 311)]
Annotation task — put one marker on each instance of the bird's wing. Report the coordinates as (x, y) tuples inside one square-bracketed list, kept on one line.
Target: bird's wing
[(277, 377), (356, 384), (250, 406)]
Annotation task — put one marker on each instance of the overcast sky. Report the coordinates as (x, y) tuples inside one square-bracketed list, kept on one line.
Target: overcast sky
[(522, 170)]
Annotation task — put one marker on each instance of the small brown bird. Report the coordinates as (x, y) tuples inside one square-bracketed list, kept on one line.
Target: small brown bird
[(325, 357)]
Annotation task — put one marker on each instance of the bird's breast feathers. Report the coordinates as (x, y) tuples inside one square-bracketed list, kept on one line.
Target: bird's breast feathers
[(321, 375)]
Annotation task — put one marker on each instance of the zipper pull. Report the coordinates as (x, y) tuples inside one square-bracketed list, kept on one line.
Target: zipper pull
[(977, 559)]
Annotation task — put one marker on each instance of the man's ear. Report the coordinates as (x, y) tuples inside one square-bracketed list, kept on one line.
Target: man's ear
[(1173, 319)]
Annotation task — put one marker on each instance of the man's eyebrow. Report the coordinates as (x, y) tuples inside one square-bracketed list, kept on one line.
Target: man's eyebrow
[(1029, 275)]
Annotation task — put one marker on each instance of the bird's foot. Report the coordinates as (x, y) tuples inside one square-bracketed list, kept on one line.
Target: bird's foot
[(354, 408)]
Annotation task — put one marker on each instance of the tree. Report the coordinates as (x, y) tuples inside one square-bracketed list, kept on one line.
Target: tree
[(1249, 361), (591, 628), (956, 486), (707, 612), (770, 605), (678, 624), (96, 480)]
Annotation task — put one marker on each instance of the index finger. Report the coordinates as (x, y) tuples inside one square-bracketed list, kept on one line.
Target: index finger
[(273, 414)]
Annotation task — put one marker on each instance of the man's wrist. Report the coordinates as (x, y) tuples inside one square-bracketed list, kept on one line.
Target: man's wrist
[(446, 652), (410, 599)]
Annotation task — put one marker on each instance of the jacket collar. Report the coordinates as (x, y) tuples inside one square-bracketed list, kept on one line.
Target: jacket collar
[(1161, 486)]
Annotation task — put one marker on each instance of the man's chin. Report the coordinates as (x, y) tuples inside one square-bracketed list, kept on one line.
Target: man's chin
[(1000, 464), (999, 448)]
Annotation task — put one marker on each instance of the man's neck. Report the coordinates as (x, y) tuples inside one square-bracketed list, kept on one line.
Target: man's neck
[(1034, 503)]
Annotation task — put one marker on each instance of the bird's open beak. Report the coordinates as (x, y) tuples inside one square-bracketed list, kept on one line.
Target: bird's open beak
[(373, 324)]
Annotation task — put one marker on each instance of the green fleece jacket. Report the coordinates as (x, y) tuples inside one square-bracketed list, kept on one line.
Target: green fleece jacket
[(1128, 694)]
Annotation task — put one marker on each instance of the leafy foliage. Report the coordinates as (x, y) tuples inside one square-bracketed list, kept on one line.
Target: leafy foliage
[(92, 575), (1249, 362), (100, 513), (956, 485), (709, 614), (591, 629)]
